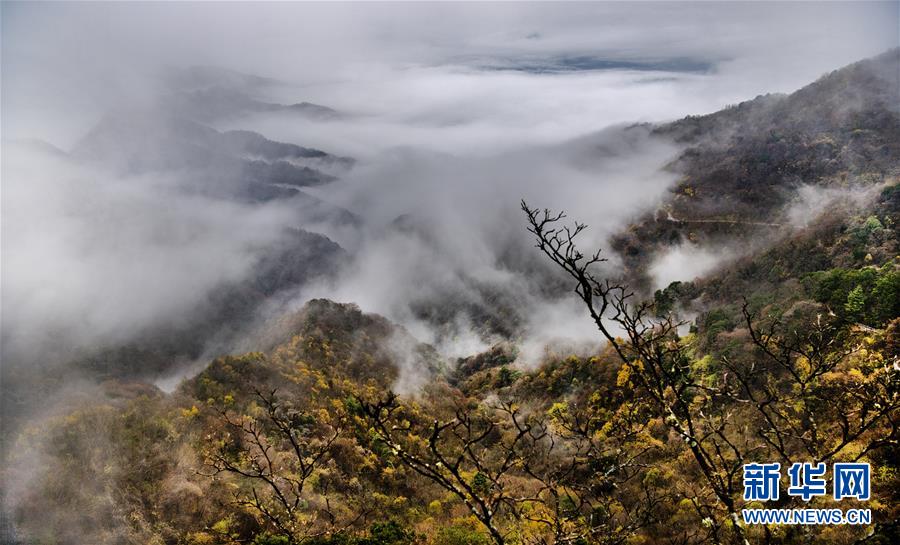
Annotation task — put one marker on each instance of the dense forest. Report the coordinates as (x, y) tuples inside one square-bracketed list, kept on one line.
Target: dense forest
[(788, 352)]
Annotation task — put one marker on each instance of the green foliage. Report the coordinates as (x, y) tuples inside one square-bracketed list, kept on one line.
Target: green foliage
[(568, 506), (718, 320), (505, 377), (333, 539), (885, 297), (856, 304), (460, 535), (352, 405), (266, 538), (665, 300), (389, 533), (481, 483), (872, 224), (869, 295), (865, 235)]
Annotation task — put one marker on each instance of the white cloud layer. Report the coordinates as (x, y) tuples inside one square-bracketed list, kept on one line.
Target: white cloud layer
[(448, 126)]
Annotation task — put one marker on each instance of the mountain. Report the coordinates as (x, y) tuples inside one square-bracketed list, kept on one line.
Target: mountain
[(210, 93), (221, 103), (744, 166), (235, 164), (203, 77), (338, 427), (165, 145)]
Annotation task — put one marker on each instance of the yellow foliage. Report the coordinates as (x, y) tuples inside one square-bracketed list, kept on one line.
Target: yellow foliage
[(201, 538), (557, 410), (435, 507)]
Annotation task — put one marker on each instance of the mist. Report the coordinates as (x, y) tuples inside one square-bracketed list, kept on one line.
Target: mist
[(451, 114), (111, 254)]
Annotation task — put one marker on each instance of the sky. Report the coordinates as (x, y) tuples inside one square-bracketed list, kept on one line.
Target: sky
[(71, 60), (453, 111)]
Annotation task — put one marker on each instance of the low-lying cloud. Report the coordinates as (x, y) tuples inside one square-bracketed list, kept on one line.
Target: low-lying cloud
[(686, 262), (446, 231), (93, 257)]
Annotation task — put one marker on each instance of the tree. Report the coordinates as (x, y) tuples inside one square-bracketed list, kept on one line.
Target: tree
[(856, 304), (276, 454), (511, 468), (446, 453), (786, 397)]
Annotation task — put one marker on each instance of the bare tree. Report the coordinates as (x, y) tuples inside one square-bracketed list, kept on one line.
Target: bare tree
[(802, 414), (655, 359)]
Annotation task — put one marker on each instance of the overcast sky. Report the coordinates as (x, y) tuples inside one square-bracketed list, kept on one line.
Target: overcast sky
[(71, 60)]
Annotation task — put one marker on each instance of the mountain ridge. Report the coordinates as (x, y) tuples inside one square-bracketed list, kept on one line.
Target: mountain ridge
[(743, 165)]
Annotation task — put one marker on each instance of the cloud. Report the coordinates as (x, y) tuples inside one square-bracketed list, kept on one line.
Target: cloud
[(442, 140), (93, 257), (101, 53), (812, 201), (444, 249), (686, 262)]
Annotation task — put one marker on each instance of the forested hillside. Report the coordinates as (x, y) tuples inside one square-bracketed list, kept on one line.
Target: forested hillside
[(750, 170), (342, 428)]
